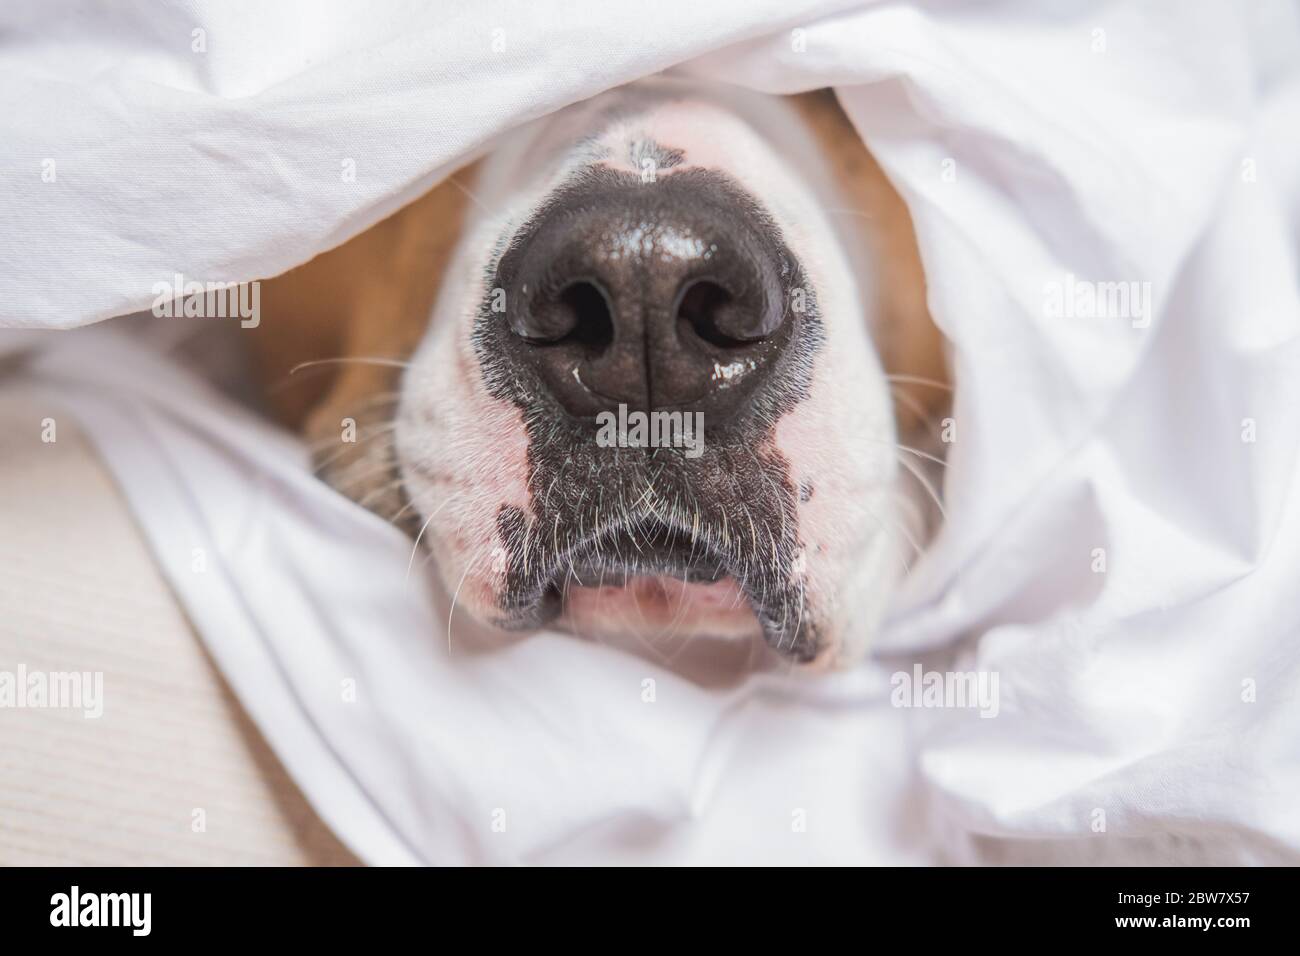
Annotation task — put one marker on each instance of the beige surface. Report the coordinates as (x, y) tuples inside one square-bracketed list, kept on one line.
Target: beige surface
[(80, 592)]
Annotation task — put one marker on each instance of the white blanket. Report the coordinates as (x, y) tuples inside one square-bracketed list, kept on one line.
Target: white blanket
[(1123, 493)]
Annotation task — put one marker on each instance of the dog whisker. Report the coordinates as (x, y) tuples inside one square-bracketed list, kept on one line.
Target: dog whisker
[(367, 434), (451, 612), (470, 195), (915, 451), (379, 492), (859, 213), (423, 528), (410, 503), (351, 360), (925, 483), (367, 437), (912, 404), (918, 380), (352, 475)]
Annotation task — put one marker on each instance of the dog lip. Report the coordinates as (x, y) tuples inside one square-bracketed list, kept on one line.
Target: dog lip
[(646, 547), (660, 549), (609, 557)]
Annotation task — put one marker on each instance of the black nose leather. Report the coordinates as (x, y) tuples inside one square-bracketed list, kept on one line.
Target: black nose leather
[(666, 295)]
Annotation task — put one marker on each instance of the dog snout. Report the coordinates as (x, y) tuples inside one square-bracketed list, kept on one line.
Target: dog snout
[(659, 296)]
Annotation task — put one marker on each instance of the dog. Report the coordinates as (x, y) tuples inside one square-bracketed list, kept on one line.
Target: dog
[(660, 362)]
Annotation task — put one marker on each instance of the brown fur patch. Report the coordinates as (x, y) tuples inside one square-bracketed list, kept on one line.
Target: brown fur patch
[(371, 297), (909, 343)]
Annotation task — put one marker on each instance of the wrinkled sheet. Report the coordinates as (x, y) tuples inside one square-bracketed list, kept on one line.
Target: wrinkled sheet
[(1123, 531)]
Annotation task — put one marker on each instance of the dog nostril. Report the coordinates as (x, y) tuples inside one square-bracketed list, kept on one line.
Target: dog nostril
[(579, 314), (593, 324), (720, 319)]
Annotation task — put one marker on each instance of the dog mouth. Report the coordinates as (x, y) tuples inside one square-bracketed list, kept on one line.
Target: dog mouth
[(669, 574), (699, 296), (652, 550)]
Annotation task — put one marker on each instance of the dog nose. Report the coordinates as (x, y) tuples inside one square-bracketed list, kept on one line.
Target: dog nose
[(669, 295)]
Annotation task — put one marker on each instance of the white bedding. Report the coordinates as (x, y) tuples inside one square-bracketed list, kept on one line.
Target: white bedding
[(1148, 712)]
